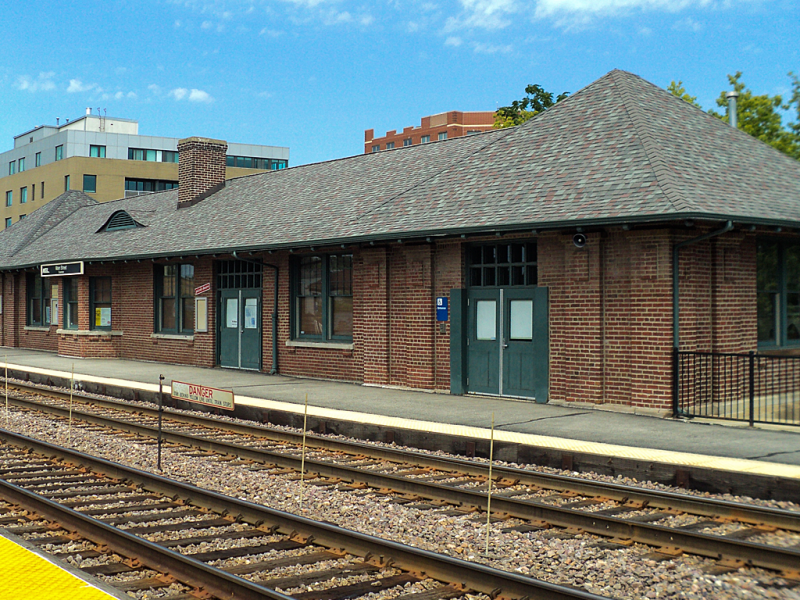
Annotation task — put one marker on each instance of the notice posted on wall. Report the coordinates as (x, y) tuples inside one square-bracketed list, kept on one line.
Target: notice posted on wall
[(201, 394), (102, 317)]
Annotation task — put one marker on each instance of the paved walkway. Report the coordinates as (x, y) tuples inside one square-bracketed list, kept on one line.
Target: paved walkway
[(580, 428)]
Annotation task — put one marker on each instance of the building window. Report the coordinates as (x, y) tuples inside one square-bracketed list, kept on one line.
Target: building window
[(66, 183), (22, 217), (252, 162), (97, 151), (323, 297), (443, 135), (503, 265), (59, 152), (170, 156), (90, 184), (23, 195), (21, 164), (37, 161), (175, 298), (425, 139), (473, 131), (33, 191), (407, 142), (389, 145), (71, 303), (376, 148), (38, 292), (42, 192), (12, 167), (778, 293), (9, 198), (100, 302), (8, 222), (134, 187)]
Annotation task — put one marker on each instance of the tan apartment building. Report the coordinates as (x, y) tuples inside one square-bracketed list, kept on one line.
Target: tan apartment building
[(106, 158), (444, 126)]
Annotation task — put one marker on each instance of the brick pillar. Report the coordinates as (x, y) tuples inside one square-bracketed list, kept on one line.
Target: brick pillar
[(201, 169)]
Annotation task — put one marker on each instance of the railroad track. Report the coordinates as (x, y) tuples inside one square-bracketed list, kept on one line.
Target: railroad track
[(152, 531), (734, 534)]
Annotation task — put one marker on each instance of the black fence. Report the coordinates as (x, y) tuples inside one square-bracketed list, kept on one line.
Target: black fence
[(750, 387)]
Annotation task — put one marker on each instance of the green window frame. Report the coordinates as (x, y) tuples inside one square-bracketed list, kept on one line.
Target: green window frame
[(23, 195), (100, 303), (59, 152), (778, 293), (66, 183), (12, 167), (97, 151), (71, 302), (174, 310), (9, 198), (38, 300), (90, 184), (509, 264), (323, 297), (21, 164), (37, 160), (8, 222)]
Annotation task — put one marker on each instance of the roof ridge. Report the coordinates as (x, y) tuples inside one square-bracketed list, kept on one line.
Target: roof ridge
[(498, 137), (49, 209), (661, 170)]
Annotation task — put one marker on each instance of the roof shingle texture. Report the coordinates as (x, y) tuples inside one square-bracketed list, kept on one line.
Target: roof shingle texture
[(619, 150)]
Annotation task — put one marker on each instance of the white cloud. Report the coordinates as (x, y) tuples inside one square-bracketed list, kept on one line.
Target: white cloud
[(76, 85), (193, 95), (42, 83), (156, 89), (545, 8), (453, 41), (485, 14), (480, 48), (199, 96), (688, 24)]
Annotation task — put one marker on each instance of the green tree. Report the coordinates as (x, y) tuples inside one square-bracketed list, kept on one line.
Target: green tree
[(677, 89), (536, 100), (759, 115)]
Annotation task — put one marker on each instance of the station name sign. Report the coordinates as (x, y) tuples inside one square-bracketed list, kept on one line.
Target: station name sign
[(61, 269), (201, 394)]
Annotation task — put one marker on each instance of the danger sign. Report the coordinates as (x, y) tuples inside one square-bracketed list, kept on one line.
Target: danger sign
[(202, 395)]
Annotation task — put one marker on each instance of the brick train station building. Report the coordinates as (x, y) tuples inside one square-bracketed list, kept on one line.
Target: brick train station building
[(537, 262)]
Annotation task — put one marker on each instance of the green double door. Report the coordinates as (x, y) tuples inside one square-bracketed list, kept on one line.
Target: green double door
[(507, 342), (240, 328)]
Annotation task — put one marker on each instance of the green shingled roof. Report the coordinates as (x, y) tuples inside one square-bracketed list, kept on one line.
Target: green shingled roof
[(620, 150)]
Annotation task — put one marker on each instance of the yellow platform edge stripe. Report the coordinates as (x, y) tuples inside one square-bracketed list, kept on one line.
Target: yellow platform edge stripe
[(27, 575), (738, 465)]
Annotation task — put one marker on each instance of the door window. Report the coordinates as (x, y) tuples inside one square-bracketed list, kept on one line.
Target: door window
[(251, 313), (521, 320), (486, 320), (232, 313)]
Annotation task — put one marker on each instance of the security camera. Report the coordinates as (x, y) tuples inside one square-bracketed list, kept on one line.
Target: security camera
[(579, 240)]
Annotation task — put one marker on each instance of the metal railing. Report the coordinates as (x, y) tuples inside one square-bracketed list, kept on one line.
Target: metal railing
[(749, 387)]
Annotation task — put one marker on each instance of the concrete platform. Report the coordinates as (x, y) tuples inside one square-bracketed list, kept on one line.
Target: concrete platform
[(642, 438)]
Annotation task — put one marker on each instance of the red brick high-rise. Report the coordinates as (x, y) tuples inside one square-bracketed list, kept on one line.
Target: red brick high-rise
[(443, 126)]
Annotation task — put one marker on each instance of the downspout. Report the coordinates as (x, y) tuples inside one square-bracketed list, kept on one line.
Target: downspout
[(274, 369), (676, 304)]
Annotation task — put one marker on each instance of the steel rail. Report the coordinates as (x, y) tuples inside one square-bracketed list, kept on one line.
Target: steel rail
[(495, 582), (709, 507), (710, 546), (185, 569)]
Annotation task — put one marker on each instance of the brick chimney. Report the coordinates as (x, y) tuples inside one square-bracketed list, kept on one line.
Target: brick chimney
[(201, 169)]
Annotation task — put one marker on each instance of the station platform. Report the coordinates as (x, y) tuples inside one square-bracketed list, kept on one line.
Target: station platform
[(26, 573), (643, 439)]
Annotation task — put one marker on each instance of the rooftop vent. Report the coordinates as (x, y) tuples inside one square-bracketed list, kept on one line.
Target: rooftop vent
[(119, 220)]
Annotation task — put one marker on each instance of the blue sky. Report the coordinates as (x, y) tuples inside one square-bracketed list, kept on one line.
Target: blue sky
[(314, 74)]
